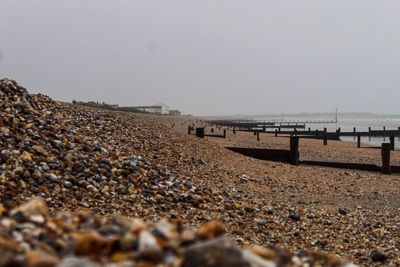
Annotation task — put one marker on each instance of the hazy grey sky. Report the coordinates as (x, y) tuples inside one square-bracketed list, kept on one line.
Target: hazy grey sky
[(208, 56)]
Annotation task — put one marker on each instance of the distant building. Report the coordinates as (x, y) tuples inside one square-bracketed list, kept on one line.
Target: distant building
[(155, 109), (175, 112)]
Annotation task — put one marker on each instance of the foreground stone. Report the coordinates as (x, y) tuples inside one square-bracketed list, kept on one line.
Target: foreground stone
[(84, 239)]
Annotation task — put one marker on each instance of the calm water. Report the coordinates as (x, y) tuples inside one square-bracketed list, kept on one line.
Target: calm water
[(347, 122)]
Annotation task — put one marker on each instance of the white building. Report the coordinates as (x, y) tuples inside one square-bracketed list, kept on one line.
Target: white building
[(155, 109)]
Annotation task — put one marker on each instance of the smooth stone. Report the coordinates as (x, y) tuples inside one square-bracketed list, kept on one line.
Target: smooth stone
[(53, 177), (36, 206), (378, 256), (147, 242), (260, 222), (311, 216), (256, 261), (210, 230), (39, 259), (77, 262), (294, 217), (270, 211), (5, 155), (218, 252), (8, 254), (342, 211)]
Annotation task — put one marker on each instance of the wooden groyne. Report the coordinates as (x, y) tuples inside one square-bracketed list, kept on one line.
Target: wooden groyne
[(273, 124), (292, 154), (309, 134), (296, 128), (200, 132), (324, 135)]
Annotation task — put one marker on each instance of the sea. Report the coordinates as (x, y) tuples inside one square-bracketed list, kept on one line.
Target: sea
[(345, 122)]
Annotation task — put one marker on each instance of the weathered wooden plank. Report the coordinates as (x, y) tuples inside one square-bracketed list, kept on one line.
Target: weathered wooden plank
[(385, 153)]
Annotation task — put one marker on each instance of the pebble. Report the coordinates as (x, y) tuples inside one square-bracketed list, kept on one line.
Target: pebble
[(294, 217), (265, 253), (210, 230), (5, 155), (36, 206), (270, 211), (53, 177), (378, 256), (217, 253), (260, 222), (72, 261), (40, 259), (342, 211), (148, 242), (311, 215), (84, 239)]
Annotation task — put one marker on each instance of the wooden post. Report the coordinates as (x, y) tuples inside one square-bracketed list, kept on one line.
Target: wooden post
[(200, 132), (234, 130), (294, 150), (317, 133), (338, 131), (384, 133), (358, 140), (212, 130), (309, 129), (276, 132), (391, 142), (325, 139), (224, 133), (385, 153), (369, 133), (189, 130), (295, 131), (258, 136), (398, 133)]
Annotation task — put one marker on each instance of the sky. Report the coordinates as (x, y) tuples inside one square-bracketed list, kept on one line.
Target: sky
[(208, 57)]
